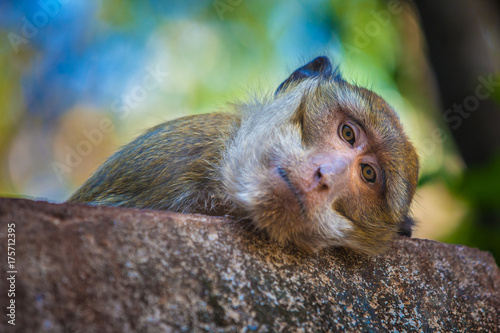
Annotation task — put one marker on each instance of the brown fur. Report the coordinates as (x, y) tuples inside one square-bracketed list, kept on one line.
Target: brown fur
[(261, 160)]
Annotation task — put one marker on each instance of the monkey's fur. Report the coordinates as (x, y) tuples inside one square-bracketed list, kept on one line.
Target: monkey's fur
[(282, 162)]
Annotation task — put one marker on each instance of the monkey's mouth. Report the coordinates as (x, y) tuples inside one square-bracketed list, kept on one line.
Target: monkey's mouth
[(284, 175)]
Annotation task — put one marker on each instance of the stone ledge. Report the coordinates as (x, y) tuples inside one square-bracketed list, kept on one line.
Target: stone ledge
[(105, 269)]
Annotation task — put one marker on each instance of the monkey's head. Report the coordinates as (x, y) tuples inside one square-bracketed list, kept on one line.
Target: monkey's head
[(321, 163)]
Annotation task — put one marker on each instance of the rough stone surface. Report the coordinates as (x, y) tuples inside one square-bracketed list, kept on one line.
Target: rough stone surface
[(102, 269)]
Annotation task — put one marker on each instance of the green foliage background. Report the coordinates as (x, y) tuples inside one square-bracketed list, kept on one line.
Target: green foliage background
[(91, 54)]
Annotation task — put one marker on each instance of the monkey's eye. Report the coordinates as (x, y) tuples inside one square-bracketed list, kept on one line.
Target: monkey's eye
[(348, 134), (368, 173)]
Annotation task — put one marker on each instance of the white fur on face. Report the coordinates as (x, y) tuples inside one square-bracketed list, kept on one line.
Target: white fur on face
[(267, 139)]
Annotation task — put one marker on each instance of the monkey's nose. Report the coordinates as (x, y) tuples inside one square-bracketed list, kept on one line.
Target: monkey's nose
[(329, 174), (320, 179)]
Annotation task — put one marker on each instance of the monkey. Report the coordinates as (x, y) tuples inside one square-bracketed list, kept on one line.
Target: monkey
[(320, 163)]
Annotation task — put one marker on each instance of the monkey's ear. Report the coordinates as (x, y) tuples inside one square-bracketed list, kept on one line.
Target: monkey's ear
[(406, 227), (320, 66)]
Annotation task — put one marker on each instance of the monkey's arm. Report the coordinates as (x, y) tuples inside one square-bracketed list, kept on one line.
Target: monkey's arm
[(173, 166)]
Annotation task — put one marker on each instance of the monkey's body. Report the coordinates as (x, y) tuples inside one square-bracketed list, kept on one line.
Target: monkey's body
[(321, 163), (175, 167)]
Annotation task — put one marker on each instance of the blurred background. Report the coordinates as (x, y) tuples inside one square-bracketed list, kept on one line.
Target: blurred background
[(80, 78)]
